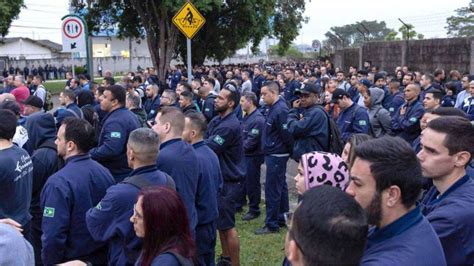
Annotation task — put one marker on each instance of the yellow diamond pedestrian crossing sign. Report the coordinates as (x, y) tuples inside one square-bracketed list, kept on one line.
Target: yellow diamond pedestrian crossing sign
[(188, 20)]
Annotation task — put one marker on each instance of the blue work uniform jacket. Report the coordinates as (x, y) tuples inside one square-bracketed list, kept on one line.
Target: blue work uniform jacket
[(289, 91), (207, 107), (353, 120), (65, 199), (151, 106), (209, 183), (407, 126), (253, 124), (109, 221), (71, 110), (224, 137), (276, 138), (310, 130), (396, 101), (111, 151), (179, 160), (451, 215), (410, 240), (468, 107)]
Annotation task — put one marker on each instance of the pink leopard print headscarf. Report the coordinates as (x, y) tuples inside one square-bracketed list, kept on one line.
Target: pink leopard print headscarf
[(322, 168)]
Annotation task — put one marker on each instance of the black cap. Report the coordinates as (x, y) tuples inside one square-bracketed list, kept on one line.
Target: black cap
[(338, 94), (307, 88), (33, 101)]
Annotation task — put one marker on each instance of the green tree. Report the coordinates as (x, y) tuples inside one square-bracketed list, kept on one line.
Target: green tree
[(291, 52), (461, 25), (408, 32), (350, 35), (230, 25), (9, 11)]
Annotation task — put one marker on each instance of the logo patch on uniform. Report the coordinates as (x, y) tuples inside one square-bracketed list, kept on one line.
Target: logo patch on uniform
[(391, 109), (285, 126), (206, 110), (362, 123), (48, 212), (413, 119), (99, 207), (219, 140), (115, 135), (152, 111), (254, 131)]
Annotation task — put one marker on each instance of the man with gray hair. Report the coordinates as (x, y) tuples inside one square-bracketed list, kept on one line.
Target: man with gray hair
[(133, 104), (109, 221)]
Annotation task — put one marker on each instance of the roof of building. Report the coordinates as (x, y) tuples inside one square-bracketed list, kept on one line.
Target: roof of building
[(55, 47)]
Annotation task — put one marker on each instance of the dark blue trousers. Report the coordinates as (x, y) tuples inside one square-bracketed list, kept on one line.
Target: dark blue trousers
[(276, 191), (206, 243), (252, 182)]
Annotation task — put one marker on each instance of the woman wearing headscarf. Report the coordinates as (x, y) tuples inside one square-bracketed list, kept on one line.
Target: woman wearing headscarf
[(321, 168)]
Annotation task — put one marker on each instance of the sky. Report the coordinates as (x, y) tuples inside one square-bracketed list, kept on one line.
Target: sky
[(42, 19)]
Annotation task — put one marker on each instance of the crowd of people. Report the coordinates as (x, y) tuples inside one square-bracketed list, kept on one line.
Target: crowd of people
[(140, 171)]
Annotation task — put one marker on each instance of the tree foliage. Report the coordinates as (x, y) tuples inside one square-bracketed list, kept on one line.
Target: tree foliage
[(406, 33), (9, 11), (353, 35), (230, 25), (461, 25)]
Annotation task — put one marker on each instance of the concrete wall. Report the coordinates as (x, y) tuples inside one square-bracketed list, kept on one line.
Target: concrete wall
[(421, 55)]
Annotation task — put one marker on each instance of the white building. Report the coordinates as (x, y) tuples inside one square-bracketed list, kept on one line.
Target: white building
[(26, 48)]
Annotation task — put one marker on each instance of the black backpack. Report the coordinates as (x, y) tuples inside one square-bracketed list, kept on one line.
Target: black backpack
[(336, 145)]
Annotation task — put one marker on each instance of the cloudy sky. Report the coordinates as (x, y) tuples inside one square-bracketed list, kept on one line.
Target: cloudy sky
[(42, 19)]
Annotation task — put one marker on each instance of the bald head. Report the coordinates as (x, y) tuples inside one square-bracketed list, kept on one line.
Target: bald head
[(7, 97)]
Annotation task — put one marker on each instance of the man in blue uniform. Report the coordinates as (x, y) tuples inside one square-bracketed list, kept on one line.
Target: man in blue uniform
[(68, 99), (406, 120), (387, 181), (397, 98), (178, 158), (468, 104), (42, 134), (207, 96), (109, 221), (224, 137), (291, 85), (258, 80), (447, 148), (276, 147), (16, 175), (253, 123), (68, 194), (353, 119), (209, 184), (153, 101), (117, 125), (308, 123)]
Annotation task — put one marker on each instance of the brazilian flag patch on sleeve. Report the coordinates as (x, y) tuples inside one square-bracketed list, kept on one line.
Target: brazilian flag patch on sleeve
[(48, 212), (219, 140)]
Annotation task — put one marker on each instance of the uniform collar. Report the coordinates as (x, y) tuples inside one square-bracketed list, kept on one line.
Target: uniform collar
[(452, 188), (79, 157), (377, 235), (199, 144), (144, 169), (169, 142), (252, 113)]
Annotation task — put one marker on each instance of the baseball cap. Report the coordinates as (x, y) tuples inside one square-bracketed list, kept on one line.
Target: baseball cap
[(33, 101), (307, 88), (365, 82), (338, 94)]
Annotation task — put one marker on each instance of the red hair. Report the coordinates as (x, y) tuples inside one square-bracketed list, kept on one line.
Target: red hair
[(166, 225)]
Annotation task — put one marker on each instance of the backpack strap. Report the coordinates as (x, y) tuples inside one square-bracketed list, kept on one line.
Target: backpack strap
[(75, 114), (139, 181)]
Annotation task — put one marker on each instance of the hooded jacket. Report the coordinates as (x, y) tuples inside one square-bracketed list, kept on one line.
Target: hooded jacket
[(380, 120)]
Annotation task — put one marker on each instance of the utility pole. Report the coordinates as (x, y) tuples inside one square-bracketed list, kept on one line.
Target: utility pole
[(407, 55)]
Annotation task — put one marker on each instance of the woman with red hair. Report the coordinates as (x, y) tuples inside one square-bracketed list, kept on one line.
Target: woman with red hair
[(160, 218)]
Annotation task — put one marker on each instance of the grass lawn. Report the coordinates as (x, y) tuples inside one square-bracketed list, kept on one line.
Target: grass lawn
[(56, 86), (258, 250)]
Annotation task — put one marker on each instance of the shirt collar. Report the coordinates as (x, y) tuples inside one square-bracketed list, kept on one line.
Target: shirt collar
[(169, 142), (377, 235)]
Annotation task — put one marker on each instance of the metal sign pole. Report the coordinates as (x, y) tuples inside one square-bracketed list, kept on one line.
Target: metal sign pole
[(73, 70), (188, 44)]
